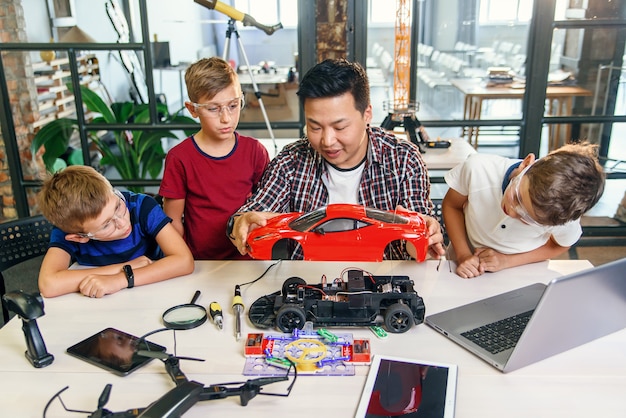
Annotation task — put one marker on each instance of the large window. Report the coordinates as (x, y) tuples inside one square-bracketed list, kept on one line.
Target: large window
[(269, 12), (499, 11), (381, 12)]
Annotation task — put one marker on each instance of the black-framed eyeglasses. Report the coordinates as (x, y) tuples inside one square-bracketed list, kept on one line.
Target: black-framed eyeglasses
[(111, 225)]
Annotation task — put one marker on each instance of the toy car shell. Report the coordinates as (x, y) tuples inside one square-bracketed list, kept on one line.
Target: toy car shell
[(363, 300), (338, 232)]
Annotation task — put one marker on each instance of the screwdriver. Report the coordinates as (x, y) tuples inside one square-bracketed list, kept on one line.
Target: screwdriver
[(215, 310), (238, 309)]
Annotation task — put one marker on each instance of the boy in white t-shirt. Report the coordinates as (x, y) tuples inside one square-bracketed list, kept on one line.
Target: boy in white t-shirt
[(502, 213)]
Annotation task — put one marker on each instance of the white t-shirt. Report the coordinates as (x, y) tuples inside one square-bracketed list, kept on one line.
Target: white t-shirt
[(481, 178), (343, 185)]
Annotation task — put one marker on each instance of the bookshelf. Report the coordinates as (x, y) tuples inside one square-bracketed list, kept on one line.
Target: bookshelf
[(54, 98)]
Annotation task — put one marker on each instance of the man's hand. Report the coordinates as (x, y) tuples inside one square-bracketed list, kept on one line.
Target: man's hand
[(490, 259), (435, 238), (244, 224)]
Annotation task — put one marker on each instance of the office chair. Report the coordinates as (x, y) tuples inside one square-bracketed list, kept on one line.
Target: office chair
[(23, 243)]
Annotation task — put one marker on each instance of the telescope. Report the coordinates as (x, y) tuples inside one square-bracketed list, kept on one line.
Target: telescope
[(235, 14)]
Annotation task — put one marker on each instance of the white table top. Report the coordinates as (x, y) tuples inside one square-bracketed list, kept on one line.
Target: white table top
[(587, 381), (445, 158)]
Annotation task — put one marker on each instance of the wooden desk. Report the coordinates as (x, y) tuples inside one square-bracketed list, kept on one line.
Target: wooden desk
[(587, 381), (475, 91)]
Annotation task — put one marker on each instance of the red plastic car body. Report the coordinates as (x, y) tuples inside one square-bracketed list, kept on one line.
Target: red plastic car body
[(339, 232)]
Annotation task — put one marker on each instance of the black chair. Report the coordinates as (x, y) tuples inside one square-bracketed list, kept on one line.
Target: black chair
[(23, 243)]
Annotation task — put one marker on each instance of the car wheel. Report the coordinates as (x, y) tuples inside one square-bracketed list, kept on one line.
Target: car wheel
[(290, 317), (398, 318), (291, 285)]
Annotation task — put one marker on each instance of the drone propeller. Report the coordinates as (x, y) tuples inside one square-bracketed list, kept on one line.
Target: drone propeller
[(104, 396), (162, 355)]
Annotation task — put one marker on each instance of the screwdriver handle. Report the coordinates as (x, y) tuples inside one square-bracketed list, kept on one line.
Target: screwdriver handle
[(215, 310), (237, 300)]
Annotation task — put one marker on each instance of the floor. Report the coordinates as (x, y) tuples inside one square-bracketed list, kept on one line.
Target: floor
[(596, 255)]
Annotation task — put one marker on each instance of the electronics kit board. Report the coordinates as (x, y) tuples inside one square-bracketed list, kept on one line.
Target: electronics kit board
[(312, 353)]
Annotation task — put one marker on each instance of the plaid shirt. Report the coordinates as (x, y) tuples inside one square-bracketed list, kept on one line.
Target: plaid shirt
[(394, 174)]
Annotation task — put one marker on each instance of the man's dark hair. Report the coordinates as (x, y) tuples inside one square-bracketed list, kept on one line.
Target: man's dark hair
[(334, 77)]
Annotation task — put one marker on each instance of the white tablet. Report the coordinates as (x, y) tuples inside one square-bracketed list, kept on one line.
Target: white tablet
[(409, 388)]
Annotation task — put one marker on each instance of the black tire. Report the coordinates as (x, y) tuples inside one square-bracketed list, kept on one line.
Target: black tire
[(290, 317), (398, 318), (291, 285)]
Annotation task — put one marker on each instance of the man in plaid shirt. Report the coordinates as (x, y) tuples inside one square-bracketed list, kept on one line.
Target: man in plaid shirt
[(341, 160)]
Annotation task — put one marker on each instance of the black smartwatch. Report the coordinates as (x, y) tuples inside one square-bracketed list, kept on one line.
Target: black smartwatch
[(230, 225), (130, 276)]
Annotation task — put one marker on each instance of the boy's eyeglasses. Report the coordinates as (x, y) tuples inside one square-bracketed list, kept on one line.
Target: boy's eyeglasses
[(516, 199), (110, 226), (214, 110)]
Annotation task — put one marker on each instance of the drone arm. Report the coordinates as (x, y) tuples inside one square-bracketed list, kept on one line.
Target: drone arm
[(172, 366), (175, 402)]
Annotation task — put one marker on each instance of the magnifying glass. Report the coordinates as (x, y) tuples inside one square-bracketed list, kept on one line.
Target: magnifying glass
[(186, 316)]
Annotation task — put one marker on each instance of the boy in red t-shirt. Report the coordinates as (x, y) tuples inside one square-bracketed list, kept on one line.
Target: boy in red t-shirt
[(209, 175)]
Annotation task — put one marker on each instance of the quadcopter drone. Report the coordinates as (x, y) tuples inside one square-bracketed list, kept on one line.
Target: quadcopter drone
[(186, 393)]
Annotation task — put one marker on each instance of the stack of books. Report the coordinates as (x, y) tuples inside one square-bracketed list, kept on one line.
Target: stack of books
[(498, 76)]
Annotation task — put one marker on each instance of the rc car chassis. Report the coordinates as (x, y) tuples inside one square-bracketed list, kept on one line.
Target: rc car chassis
[(362, 300)]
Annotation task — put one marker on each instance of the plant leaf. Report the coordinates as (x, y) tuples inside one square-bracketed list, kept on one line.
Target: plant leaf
[(55, 137), (95, 104), (123, 111)]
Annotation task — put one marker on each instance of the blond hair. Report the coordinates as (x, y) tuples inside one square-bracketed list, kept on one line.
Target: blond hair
[(73, 196), (207, 77)]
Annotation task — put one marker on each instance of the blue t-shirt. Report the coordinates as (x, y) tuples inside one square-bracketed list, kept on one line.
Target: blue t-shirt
[(147, 218)]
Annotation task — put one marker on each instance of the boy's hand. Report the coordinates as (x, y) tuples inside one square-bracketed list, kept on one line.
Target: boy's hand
[(99, 285), (490, 259), (139, 262), (469, 266)]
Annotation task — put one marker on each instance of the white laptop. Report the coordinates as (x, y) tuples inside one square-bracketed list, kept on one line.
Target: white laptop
[(568, 312)]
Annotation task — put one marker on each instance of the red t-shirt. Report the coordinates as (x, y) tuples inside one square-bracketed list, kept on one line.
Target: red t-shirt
[(213, 189)]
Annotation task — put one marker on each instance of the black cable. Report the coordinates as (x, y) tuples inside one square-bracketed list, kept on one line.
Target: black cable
[(261, 276)]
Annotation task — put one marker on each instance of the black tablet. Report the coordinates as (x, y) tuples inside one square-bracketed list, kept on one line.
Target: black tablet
[(114, 350)]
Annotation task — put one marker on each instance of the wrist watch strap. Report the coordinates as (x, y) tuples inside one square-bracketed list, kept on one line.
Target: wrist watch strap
[(230, 225), (130, 276)]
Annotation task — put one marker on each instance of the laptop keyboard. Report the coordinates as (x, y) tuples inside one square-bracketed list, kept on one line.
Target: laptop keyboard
[(500, 335)]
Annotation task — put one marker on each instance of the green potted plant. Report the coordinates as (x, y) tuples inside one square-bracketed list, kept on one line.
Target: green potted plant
[(135, 154)]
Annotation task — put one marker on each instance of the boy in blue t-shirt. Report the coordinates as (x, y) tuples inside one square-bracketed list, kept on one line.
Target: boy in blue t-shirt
[(124, 237)]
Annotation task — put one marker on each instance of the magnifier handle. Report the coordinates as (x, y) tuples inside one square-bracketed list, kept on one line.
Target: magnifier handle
[(195, 297)]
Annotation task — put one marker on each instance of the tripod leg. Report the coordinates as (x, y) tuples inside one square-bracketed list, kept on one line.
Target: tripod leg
[(257, 94), (226, 48)]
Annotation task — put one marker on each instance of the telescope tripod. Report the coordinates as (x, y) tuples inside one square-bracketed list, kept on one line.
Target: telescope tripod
[(232, 29)]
